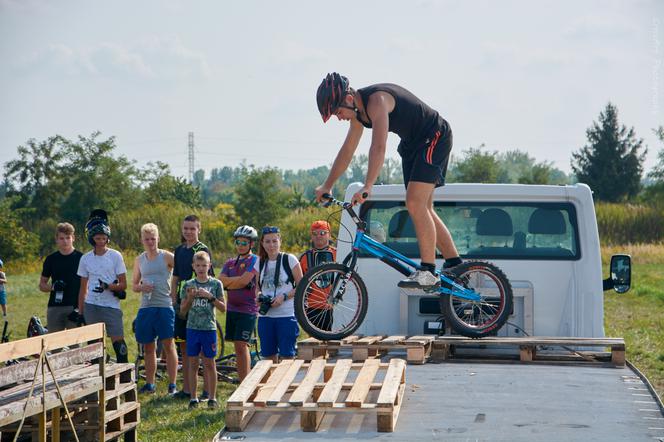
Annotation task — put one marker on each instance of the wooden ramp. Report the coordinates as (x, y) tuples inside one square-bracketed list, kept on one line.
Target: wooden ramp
[(558, 348), (317, 388), (417, 348)]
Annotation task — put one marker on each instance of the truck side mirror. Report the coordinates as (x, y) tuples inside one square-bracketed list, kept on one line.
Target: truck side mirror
[(621, 274)]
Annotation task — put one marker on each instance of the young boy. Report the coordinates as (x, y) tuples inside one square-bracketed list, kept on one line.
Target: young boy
[(200, 297), (3, 292), (182, 271), (61, 267), (103, 283)]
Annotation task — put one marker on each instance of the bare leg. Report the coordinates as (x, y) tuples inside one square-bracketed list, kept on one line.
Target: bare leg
[(418, 202), (243, 358), (150, 358), (444, 240), (210, 370), (193, 376), (171, 359), (185, 367)]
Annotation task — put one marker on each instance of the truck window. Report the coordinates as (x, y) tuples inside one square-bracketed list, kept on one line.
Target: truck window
[(546, 231)]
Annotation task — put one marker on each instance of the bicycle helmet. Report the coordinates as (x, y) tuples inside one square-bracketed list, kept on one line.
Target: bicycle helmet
[(246, 232), (330, 94), (97, 223)]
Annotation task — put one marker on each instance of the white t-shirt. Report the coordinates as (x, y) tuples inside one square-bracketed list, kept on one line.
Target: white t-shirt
[(107, 268), (287, 308)]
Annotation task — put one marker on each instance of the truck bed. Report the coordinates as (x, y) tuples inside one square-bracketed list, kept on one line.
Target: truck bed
[(455, 401)]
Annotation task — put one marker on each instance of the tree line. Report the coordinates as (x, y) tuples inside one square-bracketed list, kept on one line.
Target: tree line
[(60, 179)]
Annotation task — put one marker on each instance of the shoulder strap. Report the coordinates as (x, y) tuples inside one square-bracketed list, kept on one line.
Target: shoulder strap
[(310, 259), (287, 268)]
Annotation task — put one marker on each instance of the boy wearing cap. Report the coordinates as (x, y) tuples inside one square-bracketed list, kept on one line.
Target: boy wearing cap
[(322, 251)]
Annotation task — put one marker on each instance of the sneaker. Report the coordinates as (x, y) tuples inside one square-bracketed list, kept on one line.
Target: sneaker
[(182, 395), (193, 403), (212, 403), (204, 395), (172, 389), (148, 388), (420, 279)]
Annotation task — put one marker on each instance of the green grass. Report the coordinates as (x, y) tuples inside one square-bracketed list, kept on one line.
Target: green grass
[(638, 316)]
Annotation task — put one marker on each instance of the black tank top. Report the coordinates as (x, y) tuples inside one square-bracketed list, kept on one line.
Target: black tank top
[(411, 118)]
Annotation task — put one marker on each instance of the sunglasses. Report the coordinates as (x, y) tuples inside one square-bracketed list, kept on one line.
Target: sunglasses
[(239, 242), (270, 229), (320, 232)]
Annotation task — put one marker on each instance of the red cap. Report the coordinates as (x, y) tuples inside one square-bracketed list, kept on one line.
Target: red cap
[(320, 225)]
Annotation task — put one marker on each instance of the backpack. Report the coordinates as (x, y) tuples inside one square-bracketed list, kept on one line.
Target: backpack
[(282, 261), (35, 327)]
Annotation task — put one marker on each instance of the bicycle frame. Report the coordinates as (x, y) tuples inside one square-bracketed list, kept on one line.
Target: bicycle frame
[(395, 259)]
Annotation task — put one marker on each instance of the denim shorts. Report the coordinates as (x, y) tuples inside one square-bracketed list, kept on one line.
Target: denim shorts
[(153, 323)]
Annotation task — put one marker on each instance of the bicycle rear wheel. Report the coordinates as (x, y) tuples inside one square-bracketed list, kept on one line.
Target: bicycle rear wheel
[(331, 301), (476, 319)]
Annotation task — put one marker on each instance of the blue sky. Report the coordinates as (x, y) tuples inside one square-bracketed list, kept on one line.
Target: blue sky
[(242, 75)]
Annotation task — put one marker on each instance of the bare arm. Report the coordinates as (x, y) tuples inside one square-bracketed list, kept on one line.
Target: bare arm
[(44, 286), (186, 302), (344, 157), (237, 282), (120, 285), (136, 277)]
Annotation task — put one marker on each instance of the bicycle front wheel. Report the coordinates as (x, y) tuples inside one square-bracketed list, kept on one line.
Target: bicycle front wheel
[(476, 319), (331, 301)]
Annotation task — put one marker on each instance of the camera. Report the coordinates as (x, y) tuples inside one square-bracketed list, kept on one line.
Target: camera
[(58, 290), (265, 304)]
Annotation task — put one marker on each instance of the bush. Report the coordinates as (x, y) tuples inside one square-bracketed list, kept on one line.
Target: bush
[(629, 223)]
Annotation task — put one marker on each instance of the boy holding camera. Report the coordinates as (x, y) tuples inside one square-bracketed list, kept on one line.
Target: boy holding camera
[(61, 267), (103, 283), (201, 297)]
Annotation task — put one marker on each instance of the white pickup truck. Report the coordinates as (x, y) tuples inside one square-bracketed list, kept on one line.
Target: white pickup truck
[(545, 240)]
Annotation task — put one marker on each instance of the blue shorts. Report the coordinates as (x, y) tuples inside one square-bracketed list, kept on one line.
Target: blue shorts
[(201, 340), (3, 297), (278, 336), (153, 322)]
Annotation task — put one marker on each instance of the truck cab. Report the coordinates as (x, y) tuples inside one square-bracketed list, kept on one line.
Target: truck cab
[(543, 237)]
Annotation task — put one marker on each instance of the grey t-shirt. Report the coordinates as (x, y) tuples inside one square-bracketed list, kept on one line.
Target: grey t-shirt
[(156, 272), (202, 314)]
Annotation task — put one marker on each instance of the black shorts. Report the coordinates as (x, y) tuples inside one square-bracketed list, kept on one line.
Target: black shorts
[(180, 328), (426, 161), (239, 326)]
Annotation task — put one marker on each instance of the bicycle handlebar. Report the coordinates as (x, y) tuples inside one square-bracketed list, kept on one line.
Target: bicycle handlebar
[(346, 206)]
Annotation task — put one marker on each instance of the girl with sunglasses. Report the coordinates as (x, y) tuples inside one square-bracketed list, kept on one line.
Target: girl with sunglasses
[(279, 273), (239, 276)]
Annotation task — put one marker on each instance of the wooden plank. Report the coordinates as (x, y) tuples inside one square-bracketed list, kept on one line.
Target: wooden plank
[(310, 420), (392, 340), (237, 420), (331, 391), (306, 387), (368, 340), (52, 341), (526, 353), (25, 370), (386, 420), (394, 377), (618, 355), (420, 340), (64, 377), (360, 390), (247, 387), (264, 392), (55, 425), (310, 342), (285, 382)]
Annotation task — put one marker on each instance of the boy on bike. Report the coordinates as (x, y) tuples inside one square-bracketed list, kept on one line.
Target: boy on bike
[(201, 297), (319, 311), (61, 267), (426, 142), (240, 278), (182, 271), (103, 283)]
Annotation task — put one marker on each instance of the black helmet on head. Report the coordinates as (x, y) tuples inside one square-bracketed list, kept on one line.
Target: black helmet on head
[(246, 232), (330, 94), (97, 223)]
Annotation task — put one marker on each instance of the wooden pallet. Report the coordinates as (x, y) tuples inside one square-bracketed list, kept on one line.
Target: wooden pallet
[(322, 388), (444, 346), (417, 348)]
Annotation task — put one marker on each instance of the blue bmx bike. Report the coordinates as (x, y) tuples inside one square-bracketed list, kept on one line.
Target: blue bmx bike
[(331, 300)]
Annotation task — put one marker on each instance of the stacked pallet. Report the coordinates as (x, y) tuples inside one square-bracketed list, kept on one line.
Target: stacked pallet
[(417, 348), (316, 388)]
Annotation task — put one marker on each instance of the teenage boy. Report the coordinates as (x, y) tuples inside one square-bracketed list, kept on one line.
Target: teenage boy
[(240, 278), (201, 297), (103, 283), (61, 267), (182, 272), (3, 291), (319, 310)]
